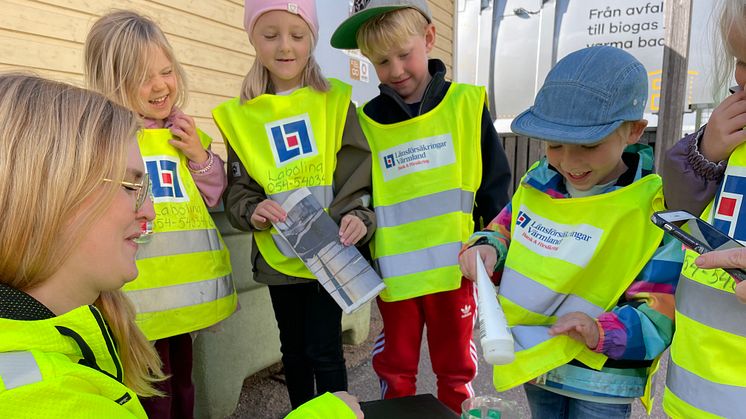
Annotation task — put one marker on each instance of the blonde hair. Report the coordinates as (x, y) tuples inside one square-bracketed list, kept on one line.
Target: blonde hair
[(258, 82), (56, 144), (380, 35), (732, 21), (117, 56)]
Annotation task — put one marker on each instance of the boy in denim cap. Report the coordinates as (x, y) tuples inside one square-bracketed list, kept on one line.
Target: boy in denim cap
[(587, 281), (435, 155)]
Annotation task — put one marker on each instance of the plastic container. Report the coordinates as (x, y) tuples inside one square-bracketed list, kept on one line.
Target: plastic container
[(495, 337)]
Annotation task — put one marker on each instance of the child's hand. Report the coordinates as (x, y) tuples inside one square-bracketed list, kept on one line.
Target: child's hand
[(578, 326), (724, 130), (351, 229), (267, 212), (187, 139), (468, 264)]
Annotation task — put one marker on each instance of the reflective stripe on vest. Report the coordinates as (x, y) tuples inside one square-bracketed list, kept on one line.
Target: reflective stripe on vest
[(286, 143), (710, 307), (184, 282), (541, 299), (180, 242), (182, 295), (426, 171), (425, 207), (419, 260), (719, 399), (18, 369), (559, 255)]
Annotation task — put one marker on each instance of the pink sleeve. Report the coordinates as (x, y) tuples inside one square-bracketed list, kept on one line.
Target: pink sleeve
[(210, 179)]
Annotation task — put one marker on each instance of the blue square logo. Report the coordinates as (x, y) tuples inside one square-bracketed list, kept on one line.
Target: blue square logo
[(522, 219), (165, 179), (389, 161), (291, 139)]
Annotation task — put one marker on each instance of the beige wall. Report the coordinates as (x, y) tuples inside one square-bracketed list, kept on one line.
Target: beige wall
[(47, 36), (443, 15)]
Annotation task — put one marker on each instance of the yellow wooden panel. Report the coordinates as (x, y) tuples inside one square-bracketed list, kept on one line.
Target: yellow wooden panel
[(442, 11), (207, 81), (44, 20), (443, 16), (75, 79), (206, 56), (219, 11), (19, 49), (173, 21), (201, 105)]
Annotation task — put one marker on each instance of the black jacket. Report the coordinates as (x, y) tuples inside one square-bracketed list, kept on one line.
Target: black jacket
[(492, 195)]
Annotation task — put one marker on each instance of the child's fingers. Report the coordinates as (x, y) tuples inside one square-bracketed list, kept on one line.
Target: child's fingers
[(259, 218), (184, 122), (258, 221), (351, 236), (179, 133), (490, 260), (564, 324), (344, 224), (180, 145), (271, 210), (275, 214), (351, 229), (466, 263)]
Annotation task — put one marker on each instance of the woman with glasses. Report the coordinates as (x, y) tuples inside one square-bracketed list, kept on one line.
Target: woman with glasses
[(73, 196)]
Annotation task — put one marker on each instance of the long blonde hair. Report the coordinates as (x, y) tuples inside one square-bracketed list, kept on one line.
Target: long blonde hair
[(258, 82), (56, 144), (117, 56), (732, 21)]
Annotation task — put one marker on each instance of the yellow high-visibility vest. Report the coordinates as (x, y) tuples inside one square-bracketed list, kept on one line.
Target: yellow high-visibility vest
[(706, 369), (184, 282), (64, 366), (286, 143), (568, 255), (426, 171), (324, 406)]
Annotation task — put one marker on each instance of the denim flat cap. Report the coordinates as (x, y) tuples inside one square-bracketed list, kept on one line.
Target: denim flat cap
[(586, 96)]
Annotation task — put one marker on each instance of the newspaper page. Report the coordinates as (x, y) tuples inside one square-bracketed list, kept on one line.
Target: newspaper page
[(314, 237)]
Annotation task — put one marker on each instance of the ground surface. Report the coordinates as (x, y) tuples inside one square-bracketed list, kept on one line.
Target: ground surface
[(264, 395)]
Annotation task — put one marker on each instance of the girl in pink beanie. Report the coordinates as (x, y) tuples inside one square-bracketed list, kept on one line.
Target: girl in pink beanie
[(305, 9), (291, 128)]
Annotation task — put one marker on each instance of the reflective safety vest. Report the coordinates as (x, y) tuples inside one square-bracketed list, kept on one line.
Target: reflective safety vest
[(426, 171), (707, 367), (184, 282), (287, 143), (568, 255), (64, 366), (325, 406)]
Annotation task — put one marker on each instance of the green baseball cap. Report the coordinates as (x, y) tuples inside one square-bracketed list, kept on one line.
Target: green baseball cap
[(345, 36)]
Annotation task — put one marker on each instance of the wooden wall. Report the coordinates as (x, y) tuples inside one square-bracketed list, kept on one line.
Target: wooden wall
[(47, 36), (443, 16)]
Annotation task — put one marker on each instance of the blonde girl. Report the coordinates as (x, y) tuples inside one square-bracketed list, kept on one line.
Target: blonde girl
[(291, 128), (73, 195), (704, 171), (185, 279)]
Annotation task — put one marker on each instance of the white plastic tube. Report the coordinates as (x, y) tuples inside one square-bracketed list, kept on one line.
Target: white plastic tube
[(495, 337)]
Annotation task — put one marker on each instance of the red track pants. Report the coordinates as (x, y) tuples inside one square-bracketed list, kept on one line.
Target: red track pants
[(449, 317)]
